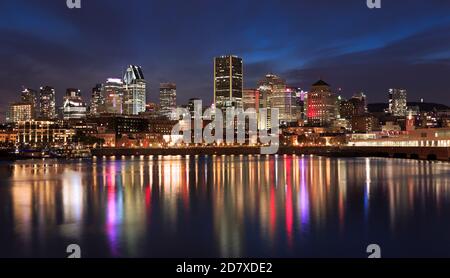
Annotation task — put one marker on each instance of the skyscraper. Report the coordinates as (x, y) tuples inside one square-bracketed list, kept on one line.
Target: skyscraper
[(47, 103), (250, 99), (355, 106), (323, 105), (29, 96), (73, 107), (274, 94), (228, 82), (168, 99), (113, 94), (134, 98), (398, 102), (97, 100)]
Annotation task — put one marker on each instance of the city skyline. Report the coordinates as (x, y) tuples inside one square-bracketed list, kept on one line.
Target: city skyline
[(293, 43)]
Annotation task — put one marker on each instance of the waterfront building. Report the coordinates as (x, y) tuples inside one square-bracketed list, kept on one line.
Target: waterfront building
[(7, 138), (47, 103), (20, 111), (168, 99), (398, 102), (120, 124), (73, 107), (428, 137), (113, 96), (228, 82), (161, 126), (43, 133), (97, 100), (323, 105), (135, 94)]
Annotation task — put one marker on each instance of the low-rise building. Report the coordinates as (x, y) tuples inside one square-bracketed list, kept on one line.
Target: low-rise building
[(43, 133)]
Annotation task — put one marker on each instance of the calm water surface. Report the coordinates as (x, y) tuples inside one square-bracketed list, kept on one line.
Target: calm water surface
[(225, 206)]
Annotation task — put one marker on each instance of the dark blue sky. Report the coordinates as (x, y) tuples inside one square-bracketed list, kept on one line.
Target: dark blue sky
[(403, 44)]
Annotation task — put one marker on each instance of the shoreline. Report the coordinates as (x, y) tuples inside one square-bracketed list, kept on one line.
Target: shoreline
[(432, 153), (422, 153)]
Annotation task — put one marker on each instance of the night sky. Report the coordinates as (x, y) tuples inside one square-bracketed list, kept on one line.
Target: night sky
[(403, 44)]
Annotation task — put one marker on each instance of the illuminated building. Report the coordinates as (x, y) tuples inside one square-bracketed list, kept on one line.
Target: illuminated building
[(47, 103), (20, 112), (97, 100), (346, 109), (274, 94), (43, 133), (359, 101), (353, 107), (228, 82), (113, 94), (30, 96), (168, 99), (121, 124), (161, 126), (428, 137), (323, 105), (398, 102), (8, 137), (298, 97), (135, 94), (250, 99), (365, 123), (410, 122), (191, 105), (73, 107)]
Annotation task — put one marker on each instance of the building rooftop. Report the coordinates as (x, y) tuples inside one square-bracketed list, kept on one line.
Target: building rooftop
[(321, 83)]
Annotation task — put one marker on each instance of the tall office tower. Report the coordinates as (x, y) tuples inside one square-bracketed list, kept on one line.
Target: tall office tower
[(301, 99), (20, 111), (250, 99), (355, 106), (168, 99), (295, 103), (398, 102), (73, 105), (47, 103), (30, 96), (113, 94), (97, 100), (191, 106), (135, 94), (323, 105), (275, 94), (359, 100), (228, 82)]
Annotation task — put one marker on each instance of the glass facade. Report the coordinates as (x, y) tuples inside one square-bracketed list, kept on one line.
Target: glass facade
[(168, 99), (47, 103), (228, 82), (134, 99)]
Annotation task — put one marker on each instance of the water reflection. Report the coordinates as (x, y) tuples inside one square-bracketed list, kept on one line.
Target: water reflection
[(227, 206)]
